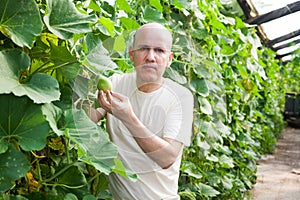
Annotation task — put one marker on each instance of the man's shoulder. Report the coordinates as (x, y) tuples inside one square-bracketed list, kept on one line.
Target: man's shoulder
[(120, 78), (178, 88), (123, 82)]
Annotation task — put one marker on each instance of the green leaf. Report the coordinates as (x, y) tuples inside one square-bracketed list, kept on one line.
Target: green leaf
[(227, 182), (13, 165), (193, 173), (52, 114), (202, 71), (108, 25), (226, 162), (182, 5), (123, 5), (20, 20), (122, 170), (23, 121), (156, 4), (129, 24), (70, 196), (222, 128), (94, 145), (212, 158), (80, 86), (98, 58), (153, 15), (217, 24), (205, 106), (55, 59), (12, 197), (199, 86), (120, 44), (63, 19), (207, 190), (72, 177), (89, 197), (187, 195), (41, 88), (175, 75), (65, 64)]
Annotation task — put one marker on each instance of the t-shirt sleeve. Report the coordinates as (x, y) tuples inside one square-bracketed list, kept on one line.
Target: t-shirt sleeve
[(179, 121)]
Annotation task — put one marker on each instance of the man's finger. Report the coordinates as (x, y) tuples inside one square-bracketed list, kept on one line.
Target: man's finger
[(117, 95), (108, 96), (103, 101)]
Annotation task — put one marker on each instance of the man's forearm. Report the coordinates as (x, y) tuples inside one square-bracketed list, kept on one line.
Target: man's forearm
[(163, 151)]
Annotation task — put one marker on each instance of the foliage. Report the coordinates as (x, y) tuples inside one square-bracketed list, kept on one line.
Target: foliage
[(51, 55), (49, 148)]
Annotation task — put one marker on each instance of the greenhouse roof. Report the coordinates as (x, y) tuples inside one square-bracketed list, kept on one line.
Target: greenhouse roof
[(277, 24)]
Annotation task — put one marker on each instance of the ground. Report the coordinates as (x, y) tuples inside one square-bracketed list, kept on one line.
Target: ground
[(278, 176)]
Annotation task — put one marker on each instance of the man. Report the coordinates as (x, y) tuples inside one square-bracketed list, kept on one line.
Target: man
[(149, 118)]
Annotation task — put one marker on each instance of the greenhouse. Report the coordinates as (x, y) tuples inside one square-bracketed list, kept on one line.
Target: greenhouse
[(149, 99)]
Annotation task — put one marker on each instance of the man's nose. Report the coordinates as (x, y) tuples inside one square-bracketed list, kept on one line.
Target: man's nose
[(151, 55)]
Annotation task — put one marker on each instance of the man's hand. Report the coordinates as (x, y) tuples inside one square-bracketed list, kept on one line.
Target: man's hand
[(116, 104)]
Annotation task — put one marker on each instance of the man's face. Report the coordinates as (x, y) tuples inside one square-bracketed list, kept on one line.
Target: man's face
[(151, 54)]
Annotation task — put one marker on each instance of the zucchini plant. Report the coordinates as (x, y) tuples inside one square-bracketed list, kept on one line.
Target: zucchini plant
[(52, 53)]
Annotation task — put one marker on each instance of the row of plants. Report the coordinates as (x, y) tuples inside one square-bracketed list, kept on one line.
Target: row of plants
[(51, 53)]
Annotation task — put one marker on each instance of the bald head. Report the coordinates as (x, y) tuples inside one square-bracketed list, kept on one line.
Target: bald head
[(154, 29)]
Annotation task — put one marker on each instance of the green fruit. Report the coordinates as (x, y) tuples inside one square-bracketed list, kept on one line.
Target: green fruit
[(104, 84)]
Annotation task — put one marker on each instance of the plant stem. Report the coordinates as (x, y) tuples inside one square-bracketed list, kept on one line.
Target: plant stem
[(58, 66), (94, 177), (67, 186), (40, 68), (39, 173), (67, 142), (59, 173)]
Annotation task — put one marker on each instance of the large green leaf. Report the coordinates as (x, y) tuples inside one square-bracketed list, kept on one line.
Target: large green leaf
[(129, 24), (20, 20), (124, 5), (94, 145), (13, 165), (22, 120), (97, 56), (56, 58), (63, 19), (41, 88), (199, 86), (153, 15), (52, 114), (73, 177), (156, 4), (175, 75), (108, 26), (207, 190), (205, 106)]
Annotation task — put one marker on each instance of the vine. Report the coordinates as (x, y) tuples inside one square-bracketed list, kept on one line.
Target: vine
[(50, 62)]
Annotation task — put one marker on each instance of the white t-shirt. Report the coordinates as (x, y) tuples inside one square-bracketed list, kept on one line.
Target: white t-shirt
[(166, 112)]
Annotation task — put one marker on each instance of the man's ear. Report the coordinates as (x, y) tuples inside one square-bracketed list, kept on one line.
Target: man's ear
[(131, 52), (170, 59)]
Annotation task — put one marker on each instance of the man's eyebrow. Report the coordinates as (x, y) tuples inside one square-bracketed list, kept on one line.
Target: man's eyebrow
[(149, 46)]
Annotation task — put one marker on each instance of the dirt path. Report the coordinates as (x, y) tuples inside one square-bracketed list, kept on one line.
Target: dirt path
[(278, 176)]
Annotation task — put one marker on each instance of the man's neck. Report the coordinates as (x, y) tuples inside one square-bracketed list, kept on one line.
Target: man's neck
[(150, 86)]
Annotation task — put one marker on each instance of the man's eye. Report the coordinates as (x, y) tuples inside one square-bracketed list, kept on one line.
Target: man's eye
[(159, 50), (145, 49)]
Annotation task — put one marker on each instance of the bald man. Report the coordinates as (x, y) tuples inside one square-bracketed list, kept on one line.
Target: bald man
[(149, 118)]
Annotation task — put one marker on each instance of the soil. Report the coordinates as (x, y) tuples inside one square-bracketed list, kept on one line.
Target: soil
[(278, 175)]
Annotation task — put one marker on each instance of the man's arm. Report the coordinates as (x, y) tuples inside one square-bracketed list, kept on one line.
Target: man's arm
[(95, 115), (164, 151)]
